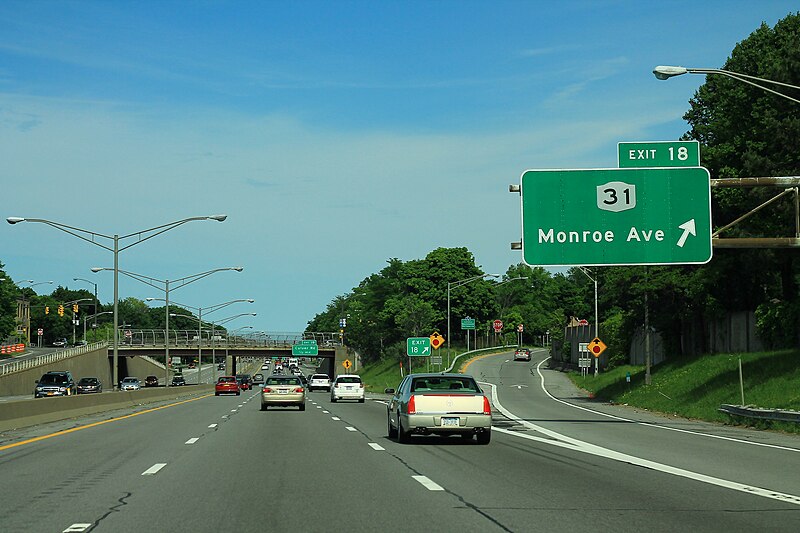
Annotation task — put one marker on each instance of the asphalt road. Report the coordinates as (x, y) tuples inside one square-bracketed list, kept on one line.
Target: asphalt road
[(219, 463)]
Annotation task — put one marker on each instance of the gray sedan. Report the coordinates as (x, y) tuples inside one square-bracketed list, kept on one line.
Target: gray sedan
[(440, 404)]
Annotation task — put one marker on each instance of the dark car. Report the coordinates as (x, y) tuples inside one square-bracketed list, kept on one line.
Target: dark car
[(59, 343), (55, 384), (178, 381), (151, 381), (245, 381), (89, 385), (258, 379)]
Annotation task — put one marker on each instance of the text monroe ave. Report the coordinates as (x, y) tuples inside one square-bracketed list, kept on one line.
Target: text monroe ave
[(624, 216)]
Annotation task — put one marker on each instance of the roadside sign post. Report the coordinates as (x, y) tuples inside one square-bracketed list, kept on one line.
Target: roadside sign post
[(417, 347), (619, 216), (596, 347), (468, 324)]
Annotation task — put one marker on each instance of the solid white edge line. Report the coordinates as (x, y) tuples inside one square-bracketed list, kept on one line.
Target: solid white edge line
[(592, 449), (375, 446), (648, 424), (192, 440), (154, 469), (427, 483)]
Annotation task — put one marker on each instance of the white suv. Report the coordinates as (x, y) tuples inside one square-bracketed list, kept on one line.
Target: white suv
[(319, 381), (347, 387)]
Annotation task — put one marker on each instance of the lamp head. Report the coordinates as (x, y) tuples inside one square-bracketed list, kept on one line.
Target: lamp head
[(238, 269), (664, 72), (14, 220), (97, 269), (250, 300), (218, 218)]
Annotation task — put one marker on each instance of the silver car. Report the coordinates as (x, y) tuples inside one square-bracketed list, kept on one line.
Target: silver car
[(130, 383), (440, 404), (283, 391)]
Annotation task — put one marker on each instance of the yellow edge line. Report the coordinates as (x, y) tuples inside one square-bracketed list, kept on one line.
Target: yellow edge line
[(465, 366), (66, 431)]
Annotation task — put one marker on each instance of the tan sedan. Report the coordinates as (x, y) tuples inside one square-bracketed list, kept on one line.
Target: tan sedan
[(440, 404), (283, 391)]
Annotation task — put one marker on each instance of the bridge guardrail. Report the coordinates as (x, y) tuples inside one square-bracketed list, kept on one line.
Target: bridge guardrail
[(45, 359)]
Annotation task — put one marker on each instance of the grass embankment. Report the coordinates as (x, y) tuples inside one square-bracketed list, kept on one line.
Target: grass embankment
[(385, 374), (695, 387)]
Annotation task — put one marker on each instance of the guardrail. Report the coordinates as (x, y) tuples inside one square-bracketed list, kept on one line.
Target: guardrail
[(219, 339), (473, 352), (45, 359), (760, 414)]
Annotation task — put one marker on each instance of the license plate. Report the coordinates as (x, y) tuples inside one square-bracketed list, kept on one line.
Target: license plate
[(348, 388), (283, 392), (450, 421)]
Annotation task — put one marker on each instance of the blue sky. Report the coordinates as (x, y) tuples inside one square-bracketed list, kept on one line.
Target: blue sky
[(334, 135)]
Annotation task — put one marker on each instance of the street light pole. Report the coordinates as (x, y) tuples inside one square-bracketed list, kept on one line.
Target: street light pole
[(95, 301), (26, 310), (181, 283), (91, 236), (663, 72), (454, 284), (594, 280)]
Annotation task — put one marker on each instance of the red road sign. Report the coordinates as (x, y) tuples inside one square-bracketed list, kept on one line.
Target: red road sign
[(583, 322), (40, 331), (520, 328), (498, 326)]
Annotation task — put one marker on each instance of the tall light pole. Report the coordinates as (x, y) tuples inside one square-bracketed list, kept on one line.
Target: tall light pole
[(453, 285), (663, 72), (95, 302), (199, 311), (114, 247), (75, 313), (181, 282), (26, 310), (95, 320), (596, 324)]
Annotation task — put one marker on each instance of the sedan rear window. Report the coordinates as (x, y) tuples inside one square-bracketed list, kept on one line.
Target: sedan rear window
[(320, 376), (439, 384), (226, 379), (283, 381), (348, 379)]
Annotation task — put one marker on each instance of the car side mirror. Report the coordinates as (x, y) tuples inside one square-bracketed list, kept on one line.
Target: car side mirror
[(388, 391)]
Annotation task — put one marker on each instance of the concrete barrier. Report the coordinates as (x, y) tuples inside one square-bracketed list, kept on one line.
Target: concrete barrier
[(25, 413)]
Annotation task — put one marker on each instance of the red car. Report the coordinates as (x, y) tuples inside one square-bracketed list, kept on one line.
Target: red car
[(226, 385)]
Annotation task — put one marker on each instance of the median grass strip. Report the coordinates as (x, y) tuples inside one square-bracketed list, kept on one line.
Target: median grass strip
[(695, 387)]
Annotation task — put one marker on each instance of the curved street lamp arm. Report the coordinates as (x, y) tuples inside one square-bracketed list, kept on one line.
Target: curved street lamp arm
[(228, 319), (740, 76), (182, 282), (158, 230), (212, 308)]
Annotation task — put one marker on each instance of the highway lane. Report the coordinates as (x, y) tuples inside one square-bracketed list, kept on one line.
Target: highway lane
[(285, 470)]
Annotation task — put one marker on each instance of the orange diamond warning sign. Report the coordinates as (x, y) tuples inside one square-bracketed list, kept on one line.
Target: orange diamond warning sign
[(596, 347), (436, 341)]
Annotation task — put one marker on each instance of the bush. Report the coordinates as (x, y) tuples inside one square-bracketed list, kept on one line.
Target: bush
[(776, 323)]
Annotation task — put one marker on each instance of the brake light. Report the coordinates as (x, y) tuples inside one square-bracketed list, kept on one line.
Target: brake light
[(267, 389), (412, 408), (360, 385), (487, 409), (299, 389)]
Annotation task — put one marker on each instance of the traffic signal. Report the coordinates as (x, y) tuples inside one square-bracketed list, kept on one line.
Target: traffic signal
[(74, 308), (47, 309), (60, 310)]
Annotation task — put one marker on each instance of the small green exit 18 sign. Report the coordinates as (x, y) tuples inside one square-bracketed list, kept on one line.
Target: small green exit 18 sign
[(621, 216), (658, 154)]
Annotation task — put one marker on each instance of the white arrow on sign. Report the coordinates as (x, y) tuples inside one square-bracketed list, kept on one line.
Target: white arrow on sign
[(426, 349), (687, 227)]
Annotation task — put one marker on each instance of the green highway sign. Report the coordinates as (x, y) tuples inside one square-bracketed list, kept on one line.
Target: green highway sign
[(467, 323), (308, 341), (621, 216), (418, 346), (305, 349), (658, 154)]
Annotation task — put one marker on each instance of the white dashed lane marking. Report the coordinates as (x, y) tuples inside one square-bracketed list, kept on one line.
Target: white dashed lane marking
[(427, 483), (192, 440), (350, 428), (77, 527), (375, 446), (154, 469), (212, 426), (335, 418), (326, 412)]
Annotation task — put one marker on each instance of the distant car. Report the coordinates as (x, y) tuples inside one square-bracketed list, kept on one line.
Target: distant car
[(178, 381), (130, 383), (283, 391), (245, 381), (89, 385), (221, 366), (59, 343), (258, 379), (55, 383), (227, 385), (319, 381), (441, 404), (191, 365), (81, 343), (265, 366), (522, 354), (347, 387), (151, 381)]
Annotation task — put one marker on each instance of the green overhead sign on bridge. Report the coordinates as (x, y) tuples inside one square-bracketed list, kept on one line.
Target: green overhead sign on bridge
[(658, 154), (622, 216), (305, 348)]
